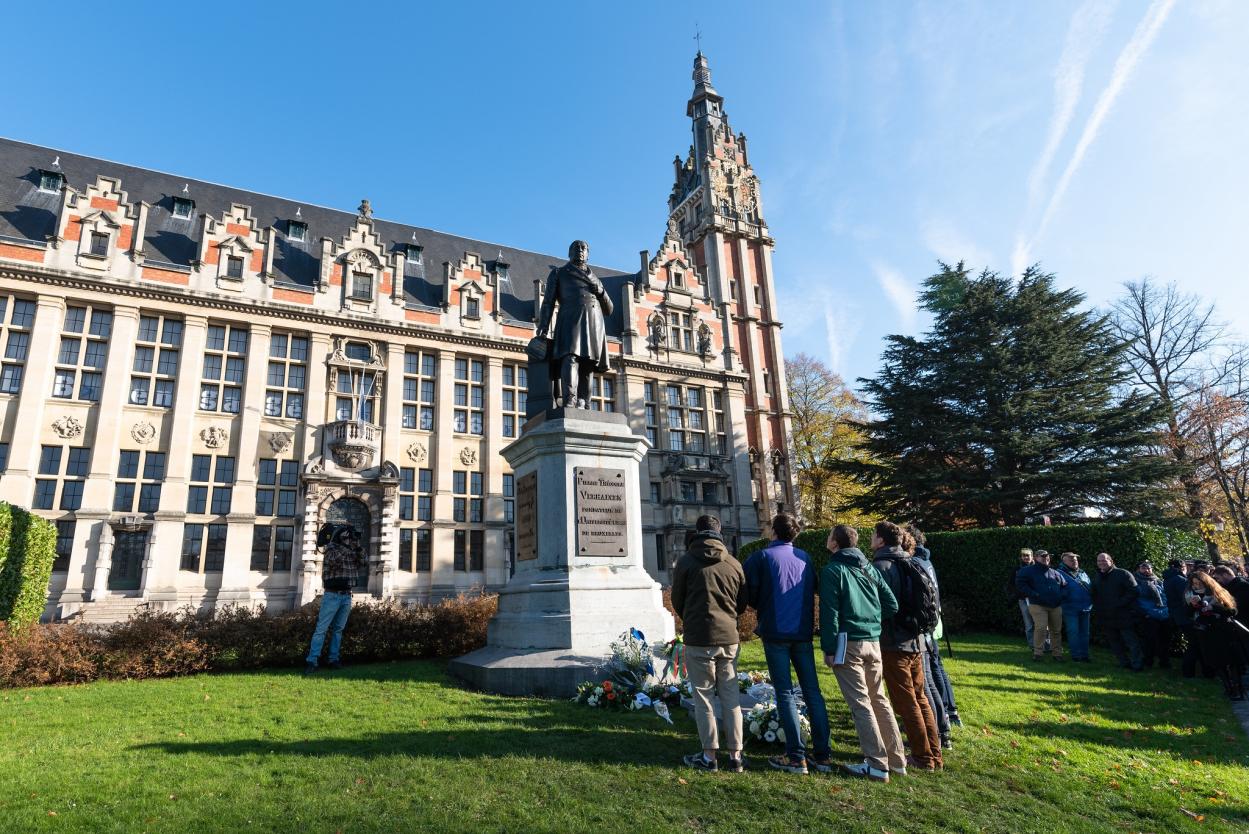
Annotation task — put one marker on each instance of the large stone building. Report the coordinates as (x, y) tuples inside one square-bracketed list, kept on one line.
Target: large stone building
[(195, 377)]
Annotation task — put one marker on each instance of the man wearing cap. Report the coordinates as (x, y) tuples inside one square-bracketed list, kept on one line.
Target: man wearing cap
[(1077, 605), (1044, 588), (1155, 620)]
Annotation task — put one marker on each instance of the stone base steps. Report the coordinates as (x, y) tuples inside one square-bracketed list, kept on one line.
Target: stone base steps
[(108, 610)]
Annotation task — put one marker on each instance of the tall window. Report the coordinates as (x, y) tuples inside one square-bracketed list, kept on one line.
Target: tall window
[(419, 373), (469, 395), (416, 544), (661, 560), (276, 488), (407, 493), (509, 496), (155, 361), (99, 244), (719, 423), (415, 549), (288, 371), (129, 483), (652, 413), (84, 349), (225, 358), (212, 485), (603, 394), (459, 501), (17, 316), (356, 391), (470, 550), (61, 470), (272, 547), (686, 419), (362, 286), (4, 456), (203, 548), (681, 331), (64, 545), (425, 495), (515, 395)]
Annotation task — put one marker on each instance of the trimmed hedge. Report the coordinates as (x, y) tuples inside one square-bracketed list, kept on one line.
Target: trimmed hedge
[(27, 550), (974, 565), (156, 644)]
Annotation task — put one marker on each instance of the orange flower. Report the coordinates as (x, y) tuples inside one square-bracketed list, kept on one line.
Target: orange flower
[(611, 696)]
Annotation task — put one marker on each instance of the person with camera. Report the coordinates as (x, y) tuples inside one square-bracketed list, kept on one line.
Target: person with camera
[(343, 563)]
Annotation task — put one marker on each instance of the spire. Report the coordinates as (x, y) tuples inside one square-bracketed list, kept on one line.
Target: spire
[(703, 91)]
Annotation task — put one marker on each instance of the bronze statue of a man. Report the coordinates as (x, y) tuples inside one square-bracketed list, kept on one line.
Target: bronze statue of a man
[(579, 344)]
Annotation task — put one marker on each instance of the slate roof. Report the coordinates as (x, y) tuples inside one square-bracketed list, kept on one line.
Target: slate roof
[(28, 213)]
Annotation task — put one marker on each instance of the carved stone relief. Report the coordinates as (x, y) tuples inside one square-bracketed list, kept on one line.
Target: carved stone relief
[(215, 437), (280, 441), (143, 432), (416, 452), (468, 456), (68, 427)]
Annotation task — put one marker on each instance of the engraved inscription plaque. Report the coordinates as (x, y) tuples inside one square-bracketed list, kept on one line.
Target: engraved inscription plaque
[(602, 523), (527, 517)]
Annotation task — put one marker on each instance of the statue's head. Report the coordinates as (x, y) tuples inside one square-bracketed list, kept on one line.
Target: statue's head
[(578, 252)]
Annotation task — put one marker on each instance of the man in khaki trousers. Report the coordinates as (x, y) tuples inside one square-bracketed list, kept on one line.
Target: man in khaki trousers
[(709, 593), (854, 599)]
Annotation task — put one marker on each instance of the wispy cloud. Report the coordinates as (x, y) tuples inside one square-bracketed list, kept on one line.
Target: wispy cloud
[(950, 245), (900, 292), (1085, 32), (1136, 48)]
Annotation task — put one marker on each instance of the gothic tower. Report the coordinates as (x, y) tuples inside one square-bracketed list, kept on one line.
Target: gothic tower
[(716, 210)]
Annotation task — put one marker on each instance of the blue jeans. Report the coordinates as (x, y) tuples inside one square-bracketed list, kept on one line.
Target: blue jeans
[(1076, 624), (335, 606), (801, 654)]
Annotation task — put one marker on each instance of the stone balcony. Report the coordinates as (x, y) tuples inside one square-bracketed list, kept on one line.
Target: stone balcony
[(353, 444)]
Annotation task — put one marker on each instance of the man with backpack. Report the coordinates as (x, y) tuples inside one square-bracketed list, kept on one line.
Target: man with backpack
[(780, 582), (344, 560), (854, 600), (1044, 588), (902, 643)]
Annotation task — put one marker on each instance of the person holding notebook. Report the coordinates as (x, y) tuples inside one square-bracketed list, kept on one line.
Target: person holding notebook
[(854, 599)]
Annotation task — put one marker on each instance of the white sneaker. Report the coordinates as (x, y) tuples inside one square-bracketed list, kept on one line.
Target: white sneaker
[(865, 771), (898, 771)]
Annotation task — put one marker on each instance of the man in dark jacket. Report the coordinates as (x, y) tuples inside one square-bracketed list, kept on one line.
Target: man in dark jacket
[(709, 593), (780, 582), (1154, 621), (1044, 589), (902, 655), (1021, 600), (1174, 586), (344, 561), (854, 600), (1114, 603)]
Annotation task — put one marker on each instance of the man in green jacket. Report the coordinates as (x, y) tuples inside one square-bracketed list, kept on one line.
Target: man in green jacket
[(854, 598)]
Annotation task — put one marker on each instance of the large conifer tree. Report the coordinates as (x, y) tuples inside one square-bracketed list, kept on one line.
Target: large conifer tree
[(1012, 407)]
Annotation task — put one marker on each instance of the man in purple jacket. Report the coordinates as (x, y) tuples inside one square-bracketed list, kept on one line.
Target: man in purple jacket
[(780, 584)]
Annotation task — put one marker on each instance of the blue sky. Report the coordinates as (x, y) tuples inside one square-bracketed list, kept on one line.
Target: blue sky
[(1105, 139)]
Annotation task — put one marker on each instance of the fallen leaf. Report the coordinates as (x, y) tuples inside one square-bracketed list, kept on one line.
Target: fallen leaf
[(50, 813), (1114, 784), (681, 781), (1191, 815), (1014, 743)]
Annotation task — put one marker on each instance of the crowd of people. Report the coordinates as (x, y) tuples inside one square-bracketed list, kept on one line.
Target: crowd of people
[(1140, 613), (879, 622)]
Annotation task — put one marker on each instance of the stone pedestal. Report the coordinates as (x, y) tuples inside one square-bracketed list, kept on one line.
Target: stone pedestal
[(580, 581)]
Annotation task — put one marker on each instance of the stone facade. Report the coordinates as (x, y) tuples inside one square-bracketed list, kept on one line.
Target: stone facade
[(196, 377)]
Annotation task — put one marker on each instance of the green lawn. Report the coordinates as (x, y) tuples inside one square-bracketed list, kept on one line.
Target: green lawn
[(398, 747)]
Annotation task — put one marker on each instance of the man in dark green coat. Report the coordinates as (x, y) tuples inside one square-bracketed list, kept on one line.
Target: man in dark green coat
[(854, 598)]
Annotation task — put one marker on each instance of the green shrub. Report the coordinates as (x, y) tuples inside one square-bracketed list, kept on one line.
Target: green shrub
[(974, 566), (27, 550)]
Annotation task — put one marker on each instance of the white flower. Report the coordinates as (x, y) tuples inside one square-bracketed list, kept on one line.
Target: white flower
[(772, 725), (769, 736), (754, 728), (780, 736), (592, 701), (598, 690)]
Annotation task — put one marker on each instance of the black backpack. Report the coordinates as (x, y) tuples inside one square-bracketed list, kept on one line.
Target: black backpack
[(326, 534), (919, 607)]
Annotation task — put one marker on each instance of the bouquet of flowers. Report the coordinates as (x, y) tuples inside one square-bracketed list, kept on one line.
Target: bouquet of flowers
[(630, 683), (632, 664), (675, 669), (602, 694), (763, 722), (745, 680)]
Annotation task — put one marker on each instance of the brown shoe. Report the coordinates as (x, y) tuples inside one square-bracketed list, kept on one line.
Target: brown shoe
[(915, 764)]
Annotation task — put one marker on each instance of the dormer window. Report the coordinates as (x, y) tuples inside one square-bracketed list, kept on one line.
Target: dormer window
[(362, 286), (234, 268), (183, 208), (99, 244), (296, 230), (413, 253), (678, 278), (472, 309), (50, 181)]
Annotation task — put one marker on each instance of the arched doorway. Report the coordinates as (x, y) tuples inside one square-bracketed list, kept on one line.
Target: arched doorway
[(352, 512)]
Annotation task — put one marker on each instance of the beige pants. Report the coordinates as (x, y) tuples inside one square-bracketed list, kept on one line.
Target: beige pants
[(713, 671), (862, 684), (1047, 626)]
